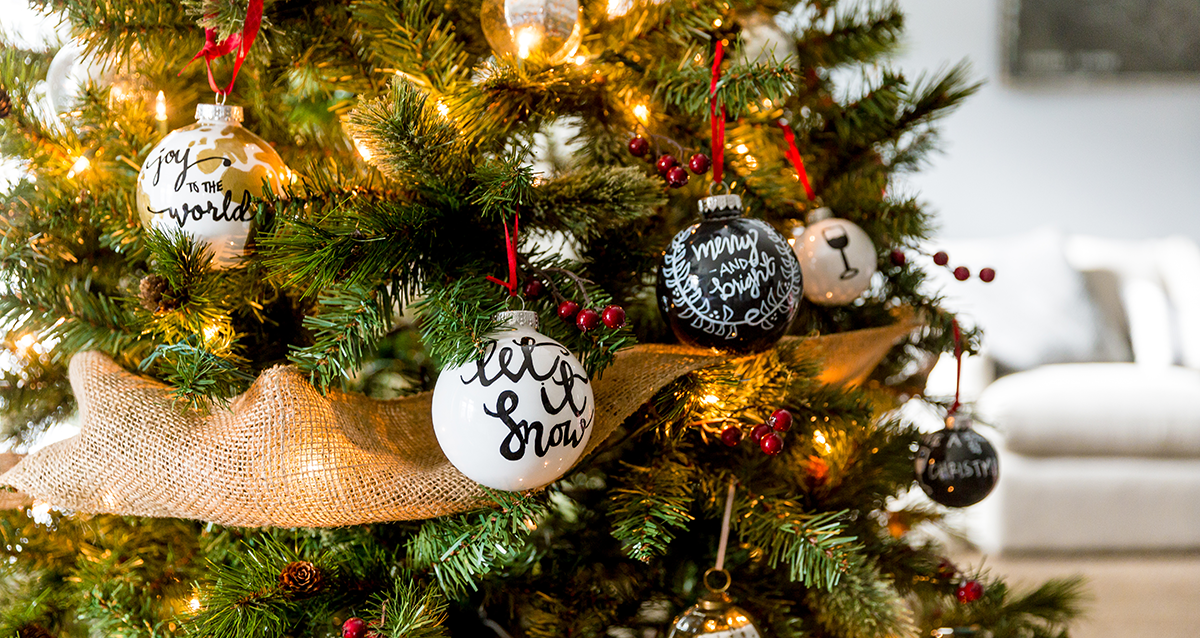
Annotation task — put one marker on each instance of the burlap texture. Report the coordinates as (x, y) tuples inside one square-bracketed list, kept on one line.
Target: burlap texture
[(284, 455), (12, 500)]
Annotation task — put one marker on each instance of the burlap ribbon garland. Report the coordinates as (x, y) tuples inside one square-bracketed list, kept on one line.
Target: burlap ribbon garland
[(284, 455)]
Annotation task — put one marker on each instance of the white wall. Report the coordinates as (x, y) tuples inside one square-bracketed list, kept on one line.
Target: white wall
[(1119, 158)]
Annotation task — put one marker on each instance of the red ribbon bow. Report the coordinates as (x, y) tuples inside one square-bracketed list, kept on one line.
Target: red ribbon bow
[(239, 42)]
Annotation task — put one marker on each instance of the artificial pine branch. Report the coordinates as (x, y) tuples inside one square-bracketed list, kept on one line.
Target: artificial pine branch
[(854, 36), (409, 141), (410, 609), (345, 327), (863, 605), (813, 547), (463, 548), (588, 203), (415, 41), (650, 505), (740, 87), (457, 318)]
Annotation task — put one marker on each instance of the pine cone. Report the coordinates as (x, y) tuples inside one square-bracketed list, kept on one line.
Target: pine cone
[(34, 631), (155, 293), (5, 104), (301, 578)]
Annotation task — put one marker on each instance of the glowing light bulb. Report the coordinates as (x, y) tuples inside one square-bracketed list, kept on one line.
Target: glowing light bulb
[(618, 8), (642, 113), (742, 149), (442, 109), (579, 60), (24, 343), (527, 38), (160, 107), (211, 331), (363, 151), (194, 604), (80, 165), (711, 399), (717, 23)]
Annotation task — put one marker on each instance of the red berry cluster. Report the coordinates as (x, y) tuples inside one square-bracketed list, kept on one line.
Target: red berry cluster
[(969, 592), (667, 165), (766, 435), (961, 273), (587, 319)]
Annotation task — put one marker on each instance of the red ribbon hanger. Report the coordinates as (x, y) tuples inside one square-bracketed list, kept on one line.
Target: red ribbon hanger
[(958, 353), (793, 154), (510, 242), (236, 42), (718, 123)]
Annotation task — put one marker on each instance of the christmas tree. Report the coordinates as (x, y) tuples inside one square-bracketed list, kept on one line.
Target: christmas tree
[(251, 329)]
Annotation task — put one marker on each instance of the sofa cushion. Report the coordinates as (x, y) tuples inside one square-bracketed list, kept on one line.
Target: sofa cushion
[(1038, 310), (1097, 409)]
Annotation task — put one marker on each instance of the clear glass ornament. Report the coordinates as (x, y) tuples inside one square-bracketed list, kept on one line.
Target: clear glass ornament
[(544, 29), (715, 616)]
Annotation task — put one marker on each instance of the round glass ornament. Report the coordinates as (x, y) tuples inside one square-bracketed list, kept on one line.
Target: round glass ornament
[(544, 29), (203, 179), (518, 417), (956, 466), (836, 257), (729, 282)]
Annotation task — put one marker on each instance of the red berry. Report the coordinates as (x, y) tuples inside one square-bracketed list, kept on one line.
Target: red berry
[(639, 146), (987, 275), (962, 273), (759, 431), (677, 177), (699, 163), (781, 420), (613, 316), (354, 628), (941, 258), (588, 320), (969, 592), (567, 310), (666, 163), (534, 288), (771, 444), (898, 257), (731, 435)]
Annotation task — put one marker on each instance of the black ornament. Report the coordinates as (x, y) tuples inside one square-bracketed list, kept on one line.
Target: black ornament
[(729, 282), (957, 467)]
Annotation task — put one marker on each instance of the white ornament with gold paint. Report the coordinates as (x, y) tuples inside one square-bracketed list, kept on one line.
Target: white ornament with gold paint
[(204, 179)]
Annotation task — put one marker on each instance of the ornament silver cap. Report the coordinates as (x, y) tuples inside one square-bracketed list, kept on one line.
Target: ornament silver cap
[(219, 112), (721, 206), (818, 214), (518, 319)]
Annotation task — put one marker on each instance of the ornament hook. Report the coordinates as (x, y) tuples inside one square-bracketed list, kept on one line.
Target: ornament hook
[(712, 188), (718, 572)]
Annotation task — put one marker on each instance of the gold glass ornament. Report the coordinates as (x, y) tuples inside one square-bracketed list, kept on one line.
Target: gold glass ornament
[(715, 616), (547, 29), (203, 179)]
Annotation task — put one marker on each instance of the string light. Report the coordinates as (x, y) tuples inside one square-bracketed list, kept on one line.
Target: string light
[(717, 23), (618, 8), (742, 149), (194, 604), (160, 107), (211, 331), (81, 164), (642, 113), (819, 439), (579, 60), (527, 39), (363, 151), (24, 343), (442, 110), (711, 399)]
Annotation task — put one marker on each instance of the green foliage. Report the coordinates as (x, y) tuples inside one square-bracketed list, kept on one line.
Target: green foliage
[(462, 548), (414, 149)]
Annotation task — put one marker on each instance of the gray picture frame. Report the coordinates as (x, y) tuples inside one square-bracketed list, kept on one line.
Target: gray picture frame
[(1053, 39)]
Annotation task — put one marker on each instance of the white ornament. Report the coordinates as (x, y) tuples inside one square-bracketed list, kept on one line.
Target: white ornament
[(520, 416), (836, 257), (70, 70), (203, 179)]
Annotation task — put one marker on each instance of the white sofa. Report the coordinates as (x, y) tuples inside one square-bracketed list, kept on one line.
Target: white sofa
[(1091, 379)]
